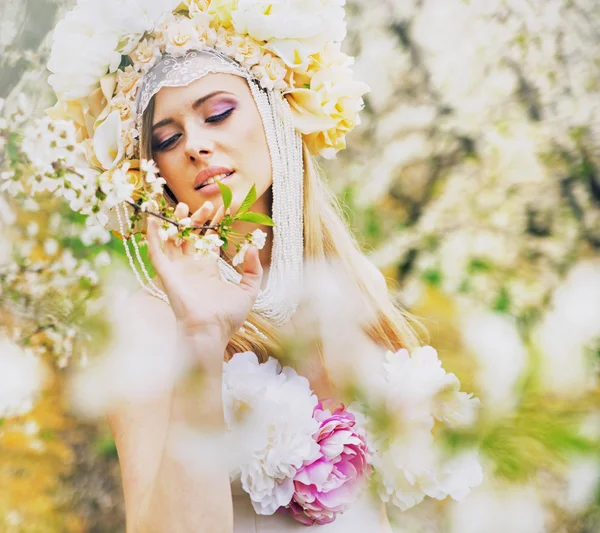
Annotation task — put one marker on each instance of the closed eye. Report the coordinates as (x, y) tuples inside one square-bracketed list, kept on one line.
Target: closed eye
[(221, 117), (165, 145)]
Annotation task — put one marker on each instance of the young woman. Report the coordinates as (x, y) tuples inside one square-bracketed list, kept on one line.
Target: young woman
[(244, 93), (213, 127)]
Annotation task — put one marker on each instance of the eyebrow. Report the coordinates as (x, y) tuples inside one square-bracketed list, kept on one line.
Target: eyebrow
[(196, 105)]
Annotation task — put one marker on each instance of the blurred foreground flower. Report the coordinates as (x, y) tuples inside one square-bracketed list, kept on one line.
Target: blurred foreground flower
[(21, 378)]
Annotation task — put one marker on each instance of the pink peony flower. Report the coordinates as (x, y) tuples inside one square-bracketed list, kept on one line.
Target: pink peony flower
[(334, 480)]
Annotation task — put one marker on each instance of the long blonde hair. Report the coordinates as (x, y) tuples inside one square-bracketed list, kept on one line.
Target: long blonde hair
[(326, 237)]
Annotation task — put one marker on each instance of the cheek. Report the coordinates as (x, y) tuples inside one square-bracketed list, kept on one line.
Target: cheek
[(253, 143), (169, 165)]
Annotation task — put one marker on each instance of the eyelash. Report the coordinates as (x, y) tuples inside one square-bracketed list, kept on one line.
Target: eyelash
[(210, 120)]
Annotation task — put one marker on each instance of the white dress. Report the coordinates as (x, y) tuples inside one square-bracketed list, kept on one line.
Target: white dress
[(362, 517)]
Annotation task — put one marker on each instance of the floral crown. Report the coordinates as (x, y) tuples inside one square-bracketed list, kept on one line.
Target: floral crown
[(102, 51)]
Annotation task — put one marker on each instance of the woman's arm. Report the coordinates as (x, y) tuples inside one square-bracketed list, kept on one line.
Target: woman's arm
[(192, 496), (165, 493), (160, 493)]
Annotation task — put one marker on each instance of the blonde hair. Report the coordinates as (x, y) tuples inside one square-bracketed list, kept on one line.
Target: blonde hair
[(326, 237)]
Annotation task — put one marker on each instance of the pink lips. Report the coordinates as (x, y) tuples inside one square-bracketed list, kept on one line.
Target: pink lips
[(208, 173)]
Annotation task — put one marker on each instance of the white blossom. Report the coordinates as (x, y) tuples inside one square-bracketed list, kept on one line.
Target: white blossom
[(258, 238), (208, 244), (238, 259)]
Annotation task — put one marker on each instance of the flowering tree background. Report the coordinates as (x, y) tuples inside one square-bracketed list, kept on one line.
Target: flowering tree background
[(473, 183)]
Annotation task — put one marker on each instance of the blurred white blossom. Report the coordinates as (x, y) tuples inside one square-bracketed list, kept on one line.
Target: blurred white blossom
[(571, 323), (494, 340), (21, 379)]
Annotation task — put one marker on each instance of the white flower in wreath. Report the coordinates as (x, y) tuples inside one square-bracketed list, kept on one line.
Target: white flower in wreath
[(318, 20), (180, 37), (122, 104), (227, 41), (107, 142), (77, 75), (146, 55), (271, 72), (128, 81), (206, 34), (329, 109), (130, 138), (248, 53)]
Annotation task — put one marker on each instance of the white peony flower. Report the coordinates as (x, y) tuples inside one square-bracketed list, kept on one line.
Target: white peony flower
[(21, 378), (99, 32), (409, 463), (455, 477), (272, 409), (413, 381), (77, 75)]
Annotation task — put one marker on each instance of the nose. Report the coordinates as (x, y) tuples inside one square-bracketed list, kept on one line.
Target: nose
[(198, 145)]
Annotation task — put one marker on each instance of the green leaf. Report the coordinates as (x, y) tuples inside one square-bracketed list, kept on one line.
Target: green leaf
[(106, 446), (257, 218), (432, 277), (502, 303), (248, 201), (226, 194)]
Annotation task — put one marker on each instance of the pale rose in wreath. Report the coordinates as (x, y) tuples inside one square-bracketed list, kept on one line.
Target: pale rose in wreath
[(128, 81), (328, 110), (249, 52), (145, 55), (181, 37), (271, 72), (206, 35), (334, 480)]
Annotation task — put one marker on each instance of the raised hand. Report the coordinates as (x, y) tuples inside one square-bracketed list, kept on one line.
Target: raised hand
[(204, 305)]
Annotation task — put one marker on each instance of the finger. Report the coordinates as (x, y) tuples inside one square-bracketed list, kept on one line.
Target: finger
[(253, 272), (217, 219), (200, 217), (181, 211), (159, 259)]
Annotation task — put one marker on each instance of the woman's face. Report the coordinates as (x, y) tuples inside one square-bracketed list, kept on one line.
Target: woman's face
[(210, 129)]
